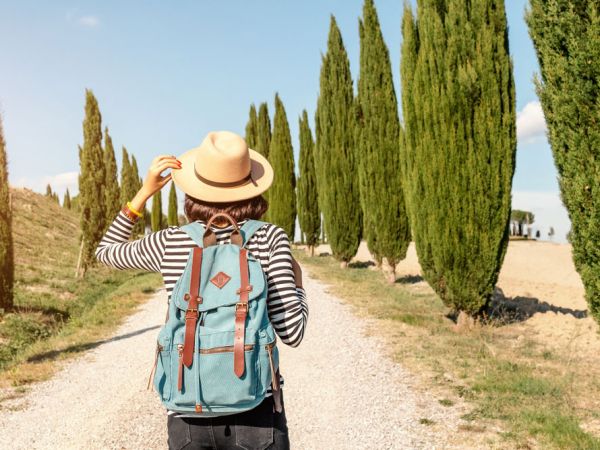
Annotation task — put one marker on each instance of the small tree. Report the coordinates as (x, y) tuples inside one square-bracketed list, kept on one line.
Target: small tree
[(157, 220), (172, 218), (263, 130), (111, 184), (7, 263), (308, 206), (48, 190), (252, 128), (67, 200)]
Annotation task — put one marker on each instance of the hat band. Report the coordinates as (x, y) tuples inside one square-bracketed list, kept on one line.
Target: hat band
[(241, 182)]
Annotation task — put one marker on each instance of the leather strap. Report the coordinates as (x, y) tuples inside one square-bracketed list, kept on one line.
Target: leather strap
[(241, 311), (191, 314), (211, 239)]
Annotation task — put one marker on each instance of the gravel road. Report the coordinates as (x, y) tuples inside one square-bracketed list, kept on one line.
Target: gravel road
[(340, 392)]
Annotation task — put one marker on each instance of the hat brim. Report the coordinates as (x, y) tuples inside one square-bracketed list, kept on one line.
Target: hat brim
[(186, 180)]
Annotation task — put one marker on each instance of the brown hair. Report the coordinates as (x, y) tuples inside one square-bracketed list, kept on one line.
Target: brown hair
[(252, 208)]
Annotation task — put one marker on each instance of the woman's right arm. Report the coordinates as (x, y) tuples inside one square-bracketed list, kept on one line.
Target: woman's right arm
[(115, 249)]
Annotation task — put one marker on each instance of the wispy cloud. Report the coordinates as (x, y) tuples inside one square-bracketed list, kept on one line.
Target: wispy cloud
[(531, 124), (59, 183), (88, 21)]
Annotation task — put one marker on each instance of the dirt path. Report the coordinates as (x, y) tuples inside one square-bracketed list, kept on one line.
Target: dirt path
[(341, 392)]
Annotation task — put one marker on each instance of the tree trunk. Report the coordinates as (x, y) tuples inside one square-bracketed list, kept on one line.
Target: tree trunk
[(343, 264), (388, 271)]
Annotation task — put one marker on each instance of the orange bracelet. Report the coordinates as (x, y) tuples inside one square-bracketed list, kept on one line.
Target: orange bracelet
[(130, 214)]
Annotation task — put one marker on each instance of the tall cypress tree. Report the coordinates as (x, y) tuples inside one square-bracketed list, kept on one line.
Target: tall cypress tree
[(128, 183), (157, 215), (263, 142), (252, 128), (308, 205), (7, 263), (91, 181), (459, 154), (566, 35), (48, 190), (282, 209), (335, 152), (263, 131), (67, 200), (111, 184), (378, 153), (140, 226), (172, 218)]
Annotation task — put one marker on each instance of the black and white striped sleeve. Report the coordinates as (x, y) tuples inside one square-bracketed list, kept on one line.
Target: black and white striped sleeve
[(288, 309), (115, 249)]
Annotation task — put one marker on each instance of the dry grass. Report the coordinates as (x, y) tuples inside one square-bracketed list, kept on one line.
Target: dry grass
[(535, 395)]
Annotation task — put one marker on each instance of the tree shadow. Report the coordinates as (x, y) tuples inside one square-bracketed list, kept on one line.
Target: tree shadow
[(409, 279), (53, 354), (503, 310), (360, 264), (323, 254)]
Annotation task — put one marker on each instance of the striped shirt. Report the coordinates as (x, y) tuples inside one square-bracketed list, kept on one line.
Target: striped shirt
[(166, 251)]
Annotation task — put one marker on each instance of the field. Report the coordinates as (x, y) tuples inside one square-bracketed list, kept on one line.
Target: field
[(56, 314), (531, 374)]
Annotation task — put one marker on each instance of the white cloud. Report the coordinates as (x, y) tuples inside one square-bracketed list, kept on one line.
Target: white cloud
[(59, 183), (88, 21), (531, 124), (548, 210)]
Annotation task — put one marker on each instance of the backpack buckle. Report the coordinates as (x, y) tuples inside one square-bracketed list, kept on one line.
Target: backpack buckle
[(241, 305)]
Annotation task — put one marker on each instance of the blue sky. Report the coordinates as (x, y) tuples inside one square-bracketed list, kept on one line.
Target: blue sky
[(164, 76)]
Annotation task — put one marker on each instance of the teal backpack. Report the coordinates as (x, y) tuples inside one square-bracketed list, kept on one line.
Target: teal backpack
[(216, 353)]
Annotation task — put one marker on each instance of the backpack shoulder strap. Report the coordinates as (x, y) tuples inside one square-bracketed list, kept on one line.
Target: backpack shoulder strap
[(249, 228), (194, 230)]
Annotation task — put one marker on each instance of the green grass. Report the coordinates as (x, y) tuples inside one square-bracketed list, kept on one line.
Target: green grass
[(532, 392), (57, 315)]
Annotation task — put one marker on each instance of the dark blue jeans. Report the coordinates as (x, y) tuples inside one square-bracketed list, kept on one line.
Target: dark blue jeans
[(258, 429)]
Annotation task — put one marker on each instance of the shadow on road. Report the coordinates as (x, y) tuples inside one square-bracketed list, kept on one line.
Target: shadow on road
[(86, 345)]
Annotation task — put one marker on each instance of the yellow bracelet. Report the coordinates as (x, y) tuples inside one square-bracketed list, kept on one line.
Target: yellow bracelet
[(137, 213)]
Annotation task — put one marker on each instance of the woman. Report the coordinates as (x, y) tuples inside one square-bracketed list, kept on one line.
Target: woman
[(222, 175)]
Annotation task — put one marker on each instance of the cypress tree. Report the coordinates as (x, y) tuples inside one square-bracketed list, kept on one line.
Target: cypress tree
[(252, 128), (91, 181), (282, 209), (459, 154), (111, 183), (7, 263), (48, 190), (157, 215), (335, 152), (263, 142), (127, 181), (140, 226), (67, 200), (172, 219), (566, 35), (263, 131), (308, 206), (378, 153)]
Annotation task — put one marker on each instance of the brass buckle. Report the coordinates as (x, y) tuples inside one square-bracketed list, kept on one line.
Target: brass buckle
[(243, 305)]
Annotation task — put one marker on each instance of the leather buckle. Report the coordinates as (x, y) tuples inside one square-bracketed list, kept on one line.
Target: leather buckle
[(241, 305)]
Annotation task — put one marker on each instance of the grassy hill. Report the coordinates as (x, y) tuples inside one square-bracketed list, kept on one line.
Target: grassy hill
[(57, 315)]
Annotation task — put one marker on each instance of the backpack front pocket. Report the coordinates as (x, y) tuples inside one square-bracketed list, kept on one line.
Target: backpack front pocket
[(219, 385), (162, 376)]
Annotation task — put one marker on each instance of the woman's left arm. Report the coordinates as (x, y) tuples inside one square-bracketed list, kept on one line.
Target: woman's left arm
[(115, 249)]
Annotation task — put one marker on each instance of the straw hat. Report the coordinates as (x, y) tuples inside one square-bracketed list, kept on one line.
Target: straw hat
[(223, 169)]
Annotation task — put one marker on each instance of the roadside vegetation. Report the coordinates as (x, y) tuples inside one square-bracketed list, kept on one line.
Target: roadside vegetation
[(55, 314), (537, 396)]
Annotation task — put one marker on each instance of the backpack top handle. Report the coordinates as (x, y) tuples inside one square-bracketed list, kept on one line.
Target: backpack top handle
[(210, 238)]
